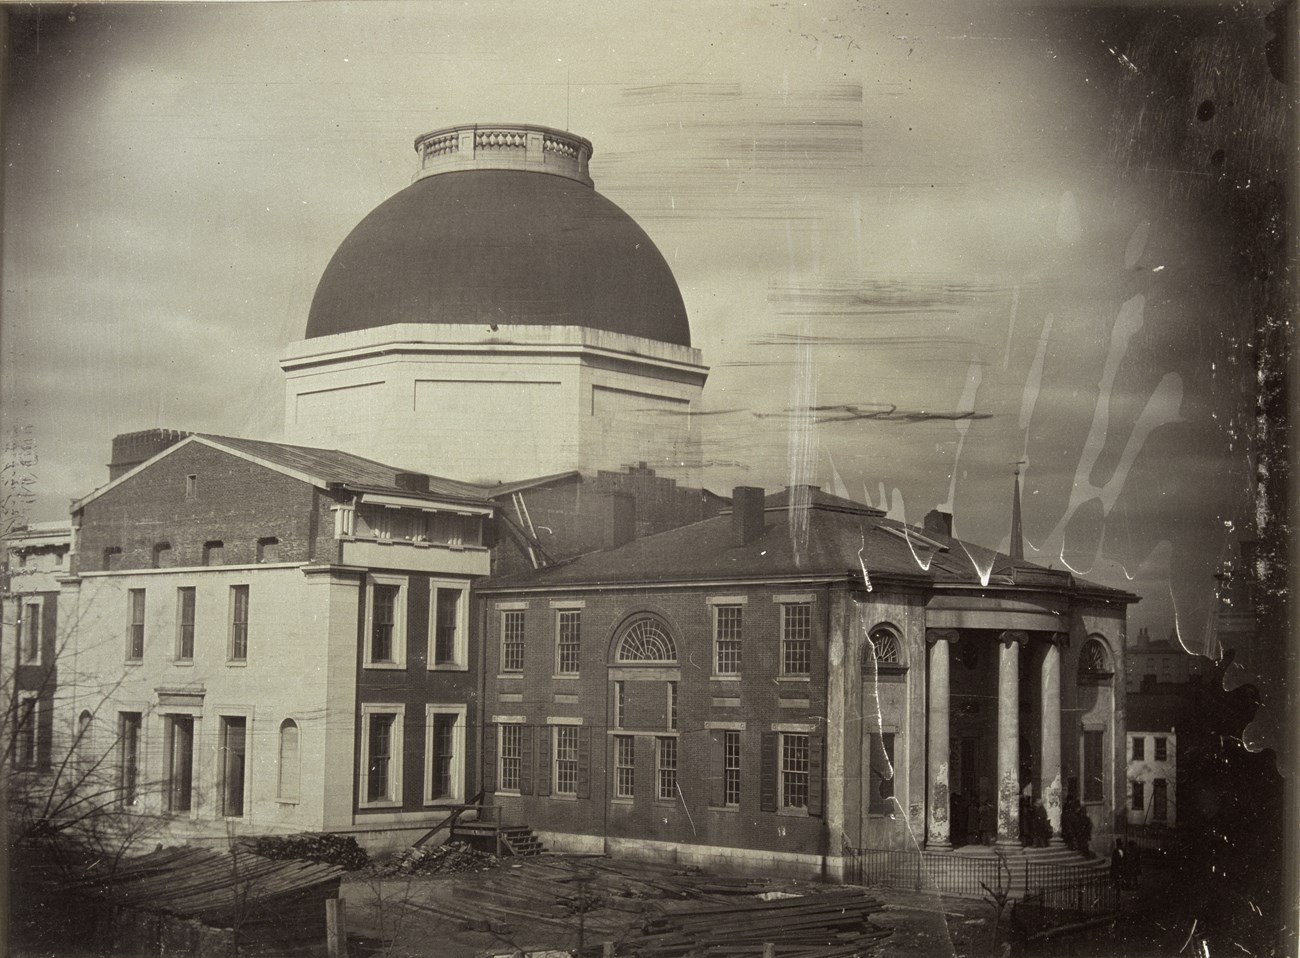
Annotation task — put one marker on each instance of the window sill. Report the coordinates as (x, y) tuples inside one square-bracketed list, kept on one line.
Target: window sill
[(237, 664), (291, 802), (134, 662), (509, 792), (448, 667), (794, 678), (569, 676), (728, 677), (385, 666), (385, 804), (564, 798), (725, 809), (443, 802), (626, 802), (793, 812), (183, 663), (510, 675)]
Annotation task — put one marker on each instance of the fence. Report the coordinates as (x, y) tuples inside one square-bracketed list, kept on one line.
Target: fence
[(1049, 885), (1081, 899)]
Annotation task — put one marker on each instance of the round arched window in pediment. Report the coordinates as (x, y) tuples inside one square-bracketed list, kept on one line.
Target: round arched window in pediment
[(646, 641), (885, 642)]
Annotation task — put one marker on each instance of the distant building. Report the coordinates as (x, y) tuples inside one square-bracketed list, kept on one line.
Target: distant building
[(31, 639), (1152, 774), (770, 686), (274, 638), (1162, 660)]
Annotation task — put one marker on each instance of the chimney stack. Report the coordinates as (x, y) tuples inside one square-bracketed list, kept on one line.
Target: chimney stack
[(622, 518), (939, 522), (746, 514), (132, 448)]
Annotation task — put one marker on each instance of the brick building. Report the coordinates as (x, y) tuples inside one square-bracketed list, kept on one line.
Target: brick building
[(769, 686), (273, 637)]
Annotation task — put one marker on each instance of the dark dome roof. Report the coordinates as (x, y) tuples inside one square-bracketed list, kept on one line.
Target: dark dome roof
[(500, 246)]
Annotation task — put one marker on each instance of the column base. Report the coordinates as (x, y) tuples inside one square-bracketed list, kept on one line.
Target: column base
[(1006, 844), (945, 846), (1056, 841)]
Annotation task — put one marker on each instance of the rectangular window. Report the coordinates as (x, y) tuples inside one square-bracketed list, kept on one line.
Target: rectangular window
[(1162, 750), (1094, 786), (794, 771), (620, 702), (31, 633), (25, 740), (727, 621), (1160, 801), (568, 642), (185, 623), (447, 639), (881, 799), (135, 626), (796, 638), (382, 759), (566, 759), (128, 735), (731, 768), (214, 552), (672, 706), (238, 623), (512, 641), (234, 758), (666, 768), (512, 756), (1139, 748), (1139, 797), (191, 486), (178, 762), (445, 742), (383, 623), (624, 766)]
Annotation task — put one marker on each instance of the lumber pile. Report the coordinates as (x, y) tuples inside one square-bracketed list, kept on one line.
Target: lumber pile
[(824, 924), (440, 859)]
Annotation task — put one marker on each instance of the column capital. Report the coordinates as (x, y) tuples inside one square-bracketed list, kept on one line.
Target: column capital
[(942, 635), (1060, 639), (1014, 635)]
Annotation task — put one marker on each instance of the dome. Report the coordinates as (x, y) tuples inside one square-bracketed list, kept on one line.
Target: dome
[(504, 229)]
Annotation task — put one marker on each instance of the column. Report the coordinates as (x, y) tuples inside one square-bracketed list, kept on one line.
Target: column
[(1050, 747), (1009, 737), (936, 820)]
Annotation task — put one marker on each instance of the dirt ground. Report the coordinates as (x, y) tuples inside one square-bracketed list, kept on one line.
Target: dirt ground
[(433, 915)]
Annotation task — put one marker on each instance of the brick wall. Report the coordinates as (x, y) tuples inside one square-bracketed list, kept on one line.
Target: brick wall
[(235, 501), (760, 699)]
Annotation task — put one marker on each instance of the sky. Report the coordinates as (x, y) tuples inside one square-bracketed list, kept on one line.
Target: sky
[(947, 236)]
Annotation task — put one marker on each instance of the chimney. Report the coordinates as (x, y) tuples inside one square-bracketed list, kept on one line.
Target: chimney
[(622, 519), (132, 448), (412, 481), (746, 515), (939, 522)]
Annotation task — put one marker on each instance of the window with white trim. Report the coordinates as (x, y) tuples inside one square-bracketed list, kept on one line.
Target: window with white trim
[(624, 766), (794, 770), (796, 638), (511, 756), (385, 634), (731, 768), (444, 753), (185, 598), (1162, 749), (568, 641), (1139, 748), (31, 631), (666, 768), (620, 702), (672, 706), (381, 754), (449, 639), (566, 759), (512, 640), (238, 623), (727, 624), (178, 763), (234, 763)]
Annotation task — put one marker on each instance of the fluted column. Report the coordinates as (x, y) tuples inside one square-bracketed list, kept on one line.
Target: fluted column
[(1009, 737), (1050, 747), (937, 825)]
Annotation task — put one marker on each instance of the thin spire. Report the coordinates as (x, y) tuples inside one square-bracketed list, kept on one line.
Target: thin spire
[(1017, 535)]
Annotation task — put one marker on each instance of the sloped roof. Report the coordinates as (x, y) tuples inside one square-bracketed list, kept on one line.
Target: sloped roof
[(842, 537)]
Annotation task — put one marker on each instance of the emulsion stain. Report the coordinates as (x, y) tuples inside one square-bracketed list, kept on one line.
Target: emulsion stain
[(1205, 112)]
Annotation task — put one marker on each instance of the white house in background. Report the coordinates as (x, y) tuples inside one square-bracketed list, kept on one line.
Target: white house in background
[(1152, 777)]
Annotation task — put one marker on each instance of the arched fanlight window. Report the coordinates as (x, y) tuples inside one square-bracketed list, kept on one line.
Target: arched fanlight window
[(1093, 659), (646, 640), (885, 641)]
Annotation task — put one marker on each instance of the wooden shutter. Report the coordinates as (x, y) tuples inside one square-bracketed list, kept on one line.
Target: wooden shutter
[(770, 768), (815, 771), (584, 762), (526, 760), (717, 757), (544, 736), (489, 759)]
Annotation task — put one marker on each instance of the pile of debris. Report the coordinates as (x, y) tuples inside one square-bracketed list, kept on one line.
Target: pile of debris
[(440, 859)]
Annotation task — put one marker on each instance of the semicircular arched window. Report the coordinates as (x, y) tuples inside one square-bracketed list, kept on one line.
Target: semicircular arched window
[(646, 640), (1093, 659), (885, 642)]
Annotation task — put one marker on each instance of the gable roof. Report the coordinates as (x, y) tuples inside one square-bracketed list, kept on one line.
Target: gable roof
[(319, 467), (825, 537)]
